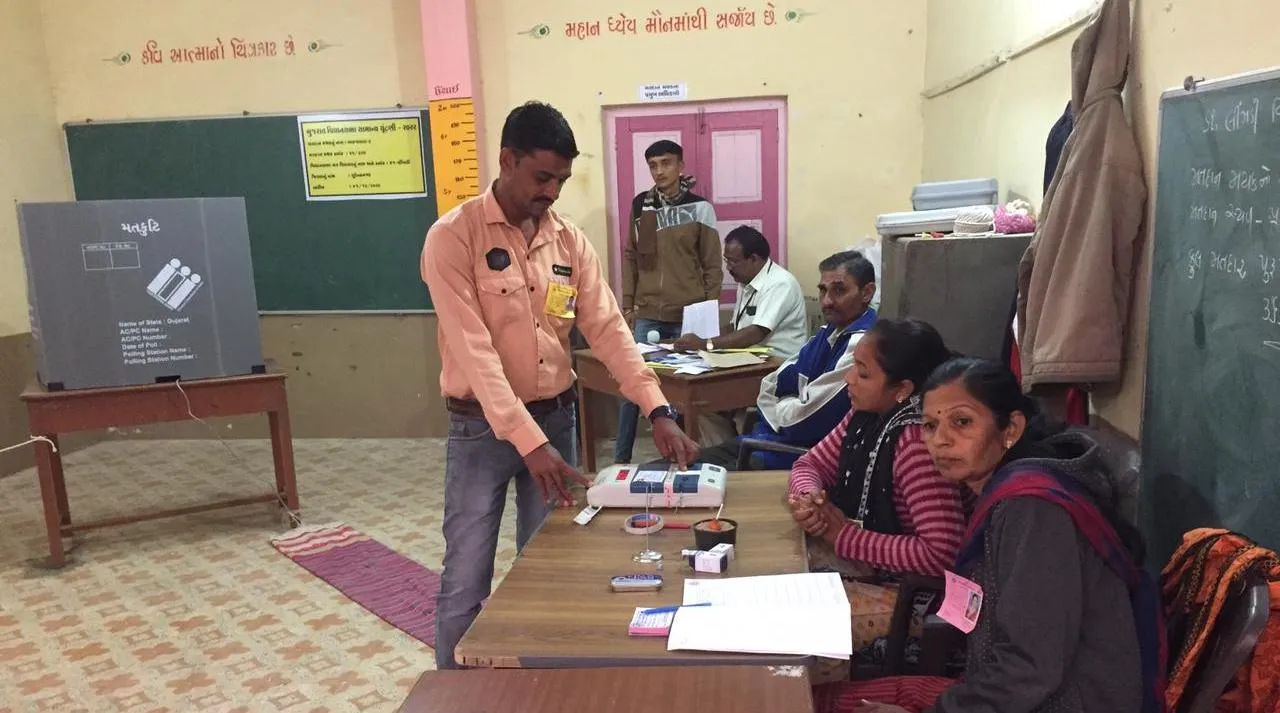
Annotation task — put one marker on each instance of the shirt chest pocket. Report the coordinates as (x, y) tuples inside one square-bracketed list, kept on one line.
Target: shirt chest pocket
[(503, 297)]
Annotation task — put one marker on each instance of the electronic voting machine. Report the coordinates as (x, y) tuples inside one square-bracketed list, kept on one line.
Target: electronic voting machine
[(658, 486)]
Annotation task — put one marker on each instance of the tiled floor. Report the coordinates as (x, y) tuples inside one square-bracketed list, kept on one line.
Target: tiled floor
[(200, 613)]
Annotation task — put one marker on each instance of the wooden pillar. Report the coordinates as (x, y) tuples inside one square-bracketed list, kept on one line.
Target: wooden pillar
[(449, 49)]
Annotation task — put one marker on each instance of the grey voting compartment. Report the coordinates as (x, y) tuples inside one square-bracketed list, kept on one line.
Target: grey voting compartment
[(140, 291)]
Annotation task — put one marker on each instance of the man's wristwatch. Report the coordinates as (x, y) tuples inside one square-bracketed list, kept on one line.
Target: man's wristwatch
[(663, 412)]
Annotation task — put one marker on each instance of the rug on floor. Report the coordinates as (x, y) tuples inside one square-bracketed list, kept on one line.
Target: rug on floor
[(395, 588)]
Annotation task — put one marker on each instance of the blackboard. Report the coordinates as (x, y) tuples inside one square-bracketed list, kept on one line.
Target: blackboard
[(350, 255), (1211, 426)]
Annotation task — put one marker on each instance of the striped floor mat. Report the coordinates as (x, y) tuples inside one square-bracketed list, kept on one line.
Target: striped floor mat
[(392, 586)]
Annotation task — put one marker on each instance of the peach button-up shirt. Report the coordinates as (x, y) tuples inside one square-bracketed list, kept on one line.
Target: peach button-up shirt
[(498, 344)]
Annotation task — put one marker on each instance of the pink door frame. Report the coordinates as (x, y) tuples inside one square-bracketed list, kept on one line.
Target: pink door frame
[(618, 215)]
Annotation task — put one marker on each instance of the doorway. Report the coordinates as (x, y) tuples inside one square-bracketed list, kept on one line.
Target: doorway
[(735, 149)]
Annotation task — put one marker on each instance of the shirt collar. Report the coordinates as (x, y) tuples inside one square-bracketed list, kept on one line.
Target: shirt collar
[(762, 278), (493, 213), (861, 324)]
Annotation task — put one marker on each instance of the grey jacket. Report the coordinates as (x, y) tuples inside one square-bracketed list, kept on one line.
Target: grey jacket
[(1056, 633)]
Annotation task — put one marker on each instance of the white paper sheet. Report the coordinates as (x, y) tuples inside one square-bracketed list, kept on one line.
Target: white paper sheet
[(647, 348), (702, 319), (808, 589), (796, 614)]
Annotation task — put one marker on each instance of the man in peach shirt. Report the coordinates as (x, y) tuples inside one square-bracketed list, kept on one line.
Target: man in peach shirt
[(510, 278)]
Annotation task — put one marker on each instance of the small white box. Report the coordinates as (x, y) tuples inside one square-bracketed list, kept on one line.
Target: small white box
[(713, 562), (724, 548)]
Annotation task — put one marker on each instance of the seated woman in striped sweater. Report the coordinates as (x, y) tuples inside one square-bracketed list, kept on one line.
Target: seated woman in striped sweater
[(869, 488)]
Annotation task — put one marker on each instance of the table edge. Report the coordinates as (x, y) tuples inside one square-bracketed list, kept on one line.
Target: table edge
[(712, 658), (34, 391)]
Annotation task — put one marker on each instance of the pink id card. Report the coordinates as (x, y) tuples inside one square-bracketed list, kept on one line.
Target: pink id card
[(962, 603)]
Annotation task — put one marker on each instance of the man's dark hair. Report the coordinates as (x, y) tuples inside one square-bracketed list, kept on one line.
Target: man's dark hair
[(859, 267), (750, 240), (663, 148), (535, 126)]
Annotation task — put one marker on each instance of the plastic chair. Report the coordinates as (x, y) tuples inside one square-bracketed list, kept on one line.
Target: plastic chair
[(1235, 633), (747, 446)]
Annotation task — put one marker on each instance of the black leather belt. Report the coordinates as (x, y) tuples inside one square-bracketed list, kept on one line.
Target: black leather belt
[(542, 407)]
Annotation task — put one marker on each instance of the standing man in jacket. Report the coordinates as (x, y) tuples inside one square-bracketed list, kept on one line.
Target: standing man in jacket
[(510, 278), (672, 259)]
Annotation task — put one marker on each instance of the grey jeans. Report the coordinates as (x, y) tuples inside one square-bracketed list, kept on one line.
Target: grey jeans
[(478, 468)]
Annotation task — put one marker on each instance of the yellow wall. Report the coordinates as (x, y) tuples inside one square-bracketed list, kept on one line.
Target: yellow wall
[(999, 123), (371, 57), (32, 162), (967, 33), (851, 73)]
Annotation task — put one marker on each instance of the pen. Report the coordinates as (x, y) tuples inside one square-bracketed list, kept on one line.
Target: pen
[(668, 610)]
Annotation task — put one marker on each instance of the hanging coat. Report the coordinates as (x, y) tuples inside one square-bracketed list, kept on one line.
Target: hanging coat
[(1075, 280)]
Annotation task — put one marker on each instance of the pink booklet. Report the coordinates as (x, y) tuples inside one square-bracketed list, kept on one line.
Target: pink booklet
[(656, 624)]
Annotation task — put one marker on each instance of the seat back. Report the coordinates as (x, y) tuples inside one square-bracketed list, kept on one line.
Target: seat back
[(1241, 621), (1123, 458)]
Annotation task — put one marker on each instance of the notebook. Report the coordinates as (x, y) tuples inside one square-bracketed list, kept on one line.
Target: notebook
[(798, 614)]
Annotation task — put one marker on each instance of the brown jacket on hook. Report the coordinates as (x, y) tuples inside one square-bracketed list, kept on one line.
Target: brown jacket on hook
[(1076, 277)]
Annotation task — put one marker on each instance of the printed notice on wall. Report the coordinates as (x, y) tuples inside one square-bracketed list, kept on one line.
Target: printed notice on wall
[(672, 91), (362, 156)]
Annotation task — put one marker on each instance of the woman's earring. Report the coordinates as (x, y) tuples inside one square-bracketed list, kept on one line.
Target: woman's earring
[(1008, 445)]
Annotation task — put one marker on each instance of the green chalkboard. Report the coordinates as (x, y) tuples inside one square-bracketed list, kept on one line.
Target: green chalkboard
[(350, 255), (1211, 427)]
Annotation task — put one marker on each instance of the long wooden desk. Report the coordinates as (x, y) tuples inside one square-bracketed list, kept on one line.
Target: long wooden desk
[(53, 412), (741, 689), (720, 390), (555, 609)]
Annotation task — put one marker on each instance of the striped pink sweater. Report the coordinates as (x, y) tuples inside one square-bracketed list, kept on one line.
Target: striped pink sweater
[(930, 508)]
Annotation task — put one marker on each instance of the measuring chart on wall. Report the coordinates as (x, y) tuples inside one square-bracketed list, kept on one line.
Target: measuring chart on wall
[(453, 145), (1209, 439)]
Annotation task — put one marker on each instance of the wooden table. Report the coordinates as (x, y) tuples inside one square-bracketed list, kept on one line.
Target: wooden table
[(555, 609), (741, 689), (53, 412), (719, 390)]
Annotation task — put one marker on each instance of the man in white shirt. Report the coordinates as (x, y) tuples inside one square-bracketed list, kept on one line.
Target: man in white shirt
[(769, 310)]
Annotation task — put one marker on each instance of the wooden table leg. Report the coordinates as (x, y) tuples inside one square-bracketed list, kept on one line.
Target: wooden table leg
[(282, 454), (49, 496), (60, 482), (587, 415), (691, 416)]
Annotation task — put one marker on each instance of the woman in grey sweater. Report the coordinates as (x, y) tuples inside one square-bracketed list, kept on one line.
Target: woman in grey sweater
[(1068, 621)]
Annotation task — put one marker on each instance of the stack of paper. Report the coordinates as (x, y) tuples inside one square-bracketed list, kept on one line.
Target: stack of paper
[(717, 360), (798, 614), (681, 363)]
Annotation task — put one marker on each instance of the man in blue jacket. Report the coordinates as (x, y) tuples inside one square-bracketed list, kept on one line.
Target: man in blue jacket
[(805, 398)]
